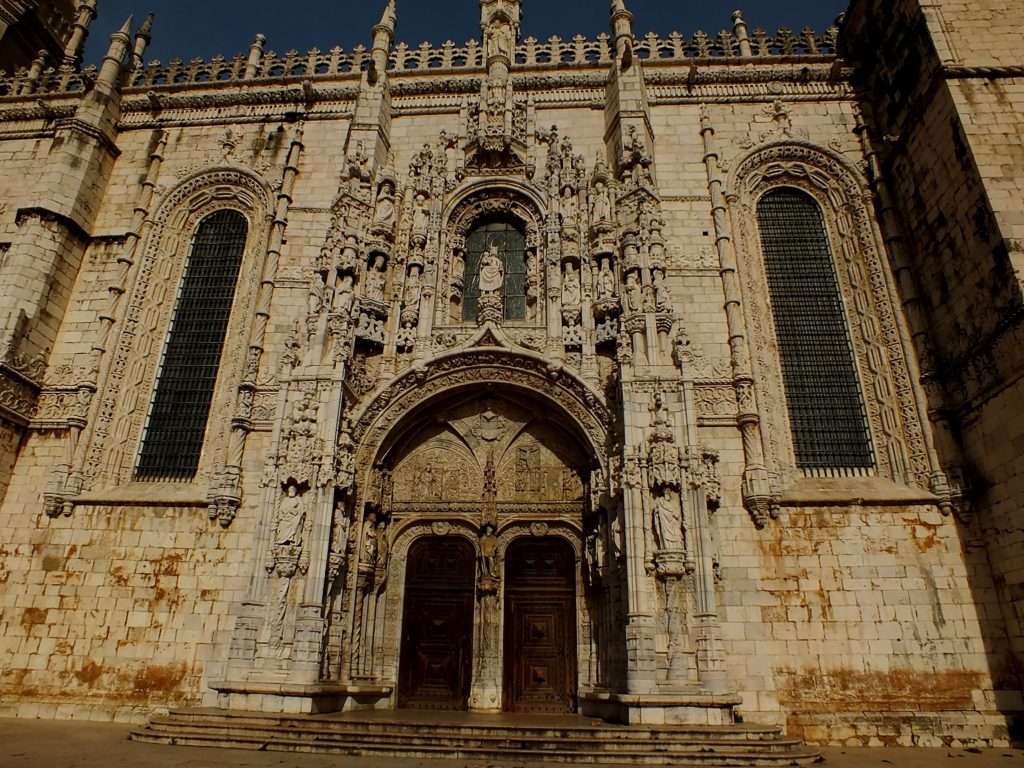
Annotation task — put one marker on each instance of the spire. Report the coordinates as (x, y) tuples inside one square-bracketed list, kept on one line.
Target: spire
[(252, 67), (142, 40), (389, 19), (110, 70), (383, 36), (622, 32), (85, 14), (739, 31)]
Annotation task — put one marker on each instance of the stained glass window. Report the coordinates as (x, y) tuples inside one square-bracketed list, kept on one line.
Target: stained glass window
[(511, 247), (826, 407), (173, 439)]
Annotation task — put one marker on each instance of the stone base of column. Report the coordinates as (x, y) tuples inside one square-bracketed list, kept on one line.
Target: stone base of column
[(283, 697), (699, 707)]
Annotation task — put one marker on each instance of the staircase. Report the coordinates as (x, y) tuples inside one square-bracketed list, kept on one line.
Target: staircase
[(510, 738)]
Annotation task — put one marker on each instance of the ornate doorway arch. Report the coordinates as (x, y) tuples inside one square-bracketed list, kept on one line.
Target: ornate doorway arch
[(468, 450)]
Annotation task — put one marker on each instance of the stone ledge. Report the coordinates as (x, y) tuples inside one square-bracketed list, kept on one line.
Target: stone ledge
[(301, 689), (812, 491), (145, 495)]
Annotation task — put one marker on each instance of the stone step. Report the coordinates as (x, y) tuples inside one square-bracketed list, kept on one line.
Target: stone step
[(285, 742), (511, 739), (735, 733)]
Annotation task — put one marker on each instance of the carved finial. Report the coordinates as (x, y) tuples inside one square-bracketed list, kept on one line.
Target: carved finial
[(389, 18), (383, 36), (739, 28), (142, 40), (110, 72), (622, 31), (146, 30)]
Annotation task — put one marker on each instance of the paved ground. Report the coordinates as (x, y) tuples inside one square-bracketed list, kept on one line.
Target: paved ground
[(76, 744)]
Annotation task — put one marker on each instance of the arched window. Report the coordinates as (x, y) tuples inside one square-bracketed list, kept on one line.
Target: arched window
[(511, 245), (173, 439), (826, 408)]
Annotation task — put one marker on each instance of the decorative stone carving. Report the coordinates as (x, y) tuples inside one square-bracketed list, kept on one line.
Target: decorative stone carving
[(302, 449), (376, 278)]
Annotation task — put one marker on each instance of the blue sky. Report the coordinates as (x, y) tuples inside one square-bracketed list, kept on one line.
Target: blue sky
[(189, 28)]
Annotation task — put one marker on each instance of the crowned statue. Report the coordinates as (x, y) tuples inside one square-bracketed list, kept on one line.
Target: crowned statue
[(492, 270)]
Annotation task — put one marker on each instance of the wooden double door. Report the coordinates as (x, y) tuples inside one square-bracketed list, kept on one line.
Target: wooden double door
[(539, 658)]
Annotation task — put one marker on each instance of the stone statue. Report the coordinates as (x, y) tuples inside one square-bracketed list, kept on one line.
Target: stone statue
[(501, 41), (315, 295), (420, 216), (668, 522), (376, 277), (383, 548), (662, 294), (634, 293), (413, 288), (600, 204), (370, 546), (345, 295), (291, 517), (571, 291), (659, 408), (488, 552), (605, 281), (492, 270), (569, 207), (384, 215)]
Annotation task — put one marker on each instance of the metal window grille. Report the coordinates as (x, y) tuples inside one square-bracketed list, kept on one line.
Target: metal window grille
[(173, 439), (826, 407), (512, 246)]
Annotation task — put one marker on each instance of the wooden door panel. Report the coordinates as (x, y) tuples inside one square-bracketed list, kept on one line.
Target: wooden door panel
[(540, 629), (437, 626)]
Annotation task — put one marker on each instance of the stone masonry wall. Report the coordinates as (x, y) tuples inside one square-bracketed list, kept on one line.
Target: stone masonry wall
[(955, 156), (849, 621)]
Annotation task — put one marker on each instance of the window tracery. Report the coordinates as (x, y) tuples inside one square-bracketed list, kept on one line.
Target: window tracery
[(173, 438), (823, 393)]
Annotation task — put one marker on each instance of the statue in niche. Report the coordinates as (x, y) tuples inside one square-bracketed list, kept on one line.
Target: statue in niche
[(501, 40), (345, 295), (384, 215), (376, 277), (413, 288), (605, 280), (359, 163), (383, 546), (569, 207), (420, 216), (662, 419), (290, 518), (488, 553), (662, 293), (492, 270), (371, 549), (316, 295), (634, 293), (600, 204), (458, 267), (668, 522), (572, 295)]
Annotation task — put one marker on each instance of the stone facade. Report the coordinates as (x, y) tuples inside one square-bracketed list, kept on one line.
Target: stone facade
[(382, 383)]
